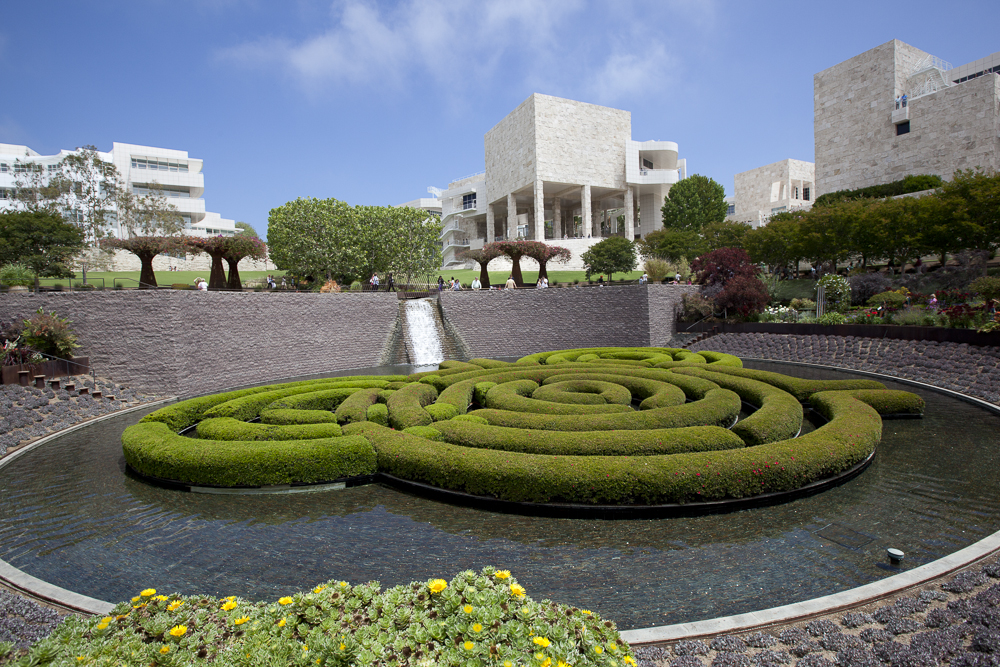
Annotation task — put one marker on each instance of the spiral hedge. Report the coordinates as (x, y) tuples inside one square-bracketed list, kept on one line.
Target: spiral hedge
[(591, 426)]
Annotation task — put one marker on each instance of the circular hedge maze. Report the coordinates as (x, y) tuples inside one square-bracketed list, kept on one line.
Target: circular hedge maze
[(628, 427)]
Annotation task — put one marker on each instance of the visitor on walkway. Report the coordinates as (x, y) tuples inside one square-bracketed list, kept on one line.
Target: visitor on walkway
[(538, 285), (373, 281), (600, 281), (390, 285), (510, 284), (440, 284), (456, 285), (932, 303), (545, 283), (677, 278), (283, 283), (644, 279), (476, 284)]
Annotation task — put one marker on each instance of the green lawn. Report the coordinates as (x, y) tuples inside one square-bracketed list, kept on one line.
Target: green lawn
[(131, 278), (530, 277)]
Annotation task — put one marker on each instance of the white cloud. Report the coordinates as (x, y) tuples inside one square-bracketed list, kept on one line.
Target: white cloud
[(627, 74)]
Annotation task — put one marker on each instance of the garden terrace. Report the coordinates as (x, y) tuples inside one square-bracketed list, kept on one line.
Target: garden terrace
[(590, 427)]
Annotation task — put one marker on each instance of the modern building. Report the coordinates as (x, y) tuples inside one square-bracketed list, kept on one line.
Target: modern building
[(787, 185), (178, 177), (896, 111), (559, 170)]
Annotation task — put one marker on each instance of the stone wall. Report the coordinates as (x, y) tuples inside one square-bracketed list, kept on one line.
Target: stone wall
[(188, 343)]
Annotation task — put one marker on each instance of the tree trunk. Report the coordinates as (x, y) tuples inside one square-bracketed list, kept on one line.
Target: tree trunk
[(484, 275), (543, 272), (515, 270), (234, 282), (217, 278), (147, 279)]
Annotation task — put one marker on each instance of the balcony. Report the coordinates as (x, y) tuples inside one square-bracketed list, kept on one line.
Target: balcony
[(901, 115), (654, 177)]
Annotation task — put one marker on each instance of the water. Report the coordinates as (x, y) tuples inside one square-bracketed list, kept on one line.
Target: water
[(70, 515), (423, 333)]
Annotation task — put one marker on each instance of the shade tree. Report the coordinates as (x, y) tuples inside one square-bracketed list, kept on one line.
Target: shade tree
[(612, 255)]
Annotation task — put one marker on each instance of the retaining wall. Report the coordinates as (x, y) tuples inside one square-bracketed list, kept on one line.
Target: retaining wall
[(189, 343)]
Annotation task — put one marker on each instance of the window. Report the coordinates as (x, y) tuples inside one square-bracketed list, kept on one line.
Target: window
[(778, 209), (3, 167), (158, 164), (53, 168), (25, 167), (468, 201), (795, 192), (5, 193), (170, 193), (903, 128), (805, 194), (731, 209), (647, 164)]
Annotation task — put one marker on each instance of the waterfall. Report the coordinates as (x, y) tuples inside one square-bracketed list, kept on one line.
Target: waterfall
[(423, 333)]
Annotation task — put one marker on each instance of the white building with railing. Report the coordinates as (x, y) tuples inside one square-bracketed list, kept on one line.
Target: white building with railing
[(788, 185), (557, 170), (143, 169)]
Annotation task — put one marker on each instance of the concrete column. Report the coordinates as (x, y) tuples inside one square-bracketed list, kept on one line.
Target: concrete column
[(557, 228), (629, 216), (490, 224), (585, 216), (595, 217), (539, 211), (511, 216)]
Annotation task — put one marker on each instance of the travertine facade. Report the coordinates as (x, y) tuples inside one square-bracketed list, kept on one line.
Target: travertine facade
[(949, 121), (782, 186)]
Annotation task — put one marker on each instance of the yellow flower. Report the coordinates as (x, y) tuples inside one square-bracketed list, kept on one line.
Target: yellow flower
[(102, 625), (539, 655), (318, 589), (587, 612), (501, 574), (564, 664), (174, 605), (241, 621), (135, 599), (162, 598), (612, 647), (230, 598), (546, 662), (629, 660), (118, 618), (508, 663), (438, 585), (305, 648), (517, 590), (343, 584), (342, 646), (149, 592), (80, 657), (467, 609), (541, 641), (281, 623), (285, 600), (178, 630), (477, 627), (468, 646), (229, 605), (165, 649), (598, 650)]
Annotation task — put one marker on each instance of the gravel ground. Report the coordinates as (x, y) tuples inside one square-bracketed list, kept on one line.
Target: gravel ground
[(27, 413)]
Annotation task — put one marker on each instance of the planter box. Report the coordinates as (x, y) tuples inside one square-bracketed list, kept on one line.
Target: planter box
[(50, 369), (939, 334)]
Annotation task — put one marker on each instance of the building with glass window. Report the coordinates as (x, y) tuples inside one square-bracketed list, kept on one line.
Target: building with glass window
[(561, 171), (895, 111), (787, 185), (178, 177)]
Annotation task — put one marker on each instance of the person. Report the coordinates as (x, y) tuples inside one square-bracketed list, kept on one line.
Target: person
[(644, 279), (440, 284), (283, 283), (904, 100), (456, 285), (201, 284), (476, 284), (932, 302), (390, 285), (677, 277), (600, 281), (510, 284), (373, 281), (538, 285), (545, 283)]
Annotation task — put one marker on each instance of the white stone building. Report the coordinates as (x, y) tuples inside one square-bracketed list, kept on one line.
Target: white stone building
[(178, 176), (865, 135), (787, 185), (559, 170)]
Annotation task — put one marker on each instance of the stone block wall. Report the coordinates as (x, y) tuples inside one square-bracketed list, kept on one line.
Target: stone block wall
[(189, 343)]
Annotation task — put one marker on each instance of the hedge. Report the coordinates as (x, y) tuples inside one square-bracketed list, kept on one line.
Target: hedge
[(226, 428), (516, 396), (355, 407), (583, 392), (799, 388), (298, 417), (153, 449), (406, 406)]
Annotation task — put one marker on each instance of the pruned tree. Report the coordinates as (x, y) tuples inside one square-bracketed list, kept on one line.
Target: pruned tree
[(515, 250), (214, 247), (612, 255), (548, 253), (235, 248), (483, 257), (145, 248)]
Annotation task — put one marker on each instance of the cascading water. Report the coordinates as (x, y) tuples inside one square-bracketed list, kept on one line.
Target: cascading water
[(423, 333)]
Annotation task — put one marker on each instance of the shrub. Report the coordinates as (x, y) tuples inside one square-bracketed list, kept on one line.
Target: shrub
[(916, 317), (354, 408), (912, 183), (226, 428), (16, 275), (181, 286), (838, 293), (826, 319), (406, 406), (964, 316), (866, 285), (379, 414), (987, 287), (696, 307), (802, 304), (49, 335), (746, 295), (657, 269), (888, 300)]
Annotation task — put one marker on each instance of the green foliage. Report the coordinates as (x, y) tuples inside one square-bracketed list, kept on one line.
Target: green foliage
[(49, 334), (146, 248), (802, 304), (693, 203), (16, 274), (39, 240), (657, 269), (227, 428), (406, 406), (329, 238), (918, 317), (987, 287), (827, 319), (889, 300), (612, 255), (696, 307), (838, 293), (248, 230), (673, 245), (474, 619), (915, 183)]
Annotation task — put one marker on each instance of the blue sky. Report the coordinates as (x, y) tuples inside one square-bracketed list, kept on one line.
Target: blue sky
[(371, 102)]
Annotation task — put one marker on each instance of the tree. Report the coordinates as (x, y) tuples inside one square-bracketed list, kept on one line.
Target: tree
[(235, 248), (42, 241), (145, 248), (483, 257), (693, 203), (732, 270), (778, 243), (148, 214), (725, 234), (247, 230), (89, 188), (215, 247), (515, 250), (612, 255), (974, 196), (548, 253), (672, 245)]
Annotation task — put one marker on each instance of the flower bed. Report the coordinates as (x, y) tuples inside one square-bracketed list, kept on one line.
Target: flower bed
[(540, 432), (475, 619)]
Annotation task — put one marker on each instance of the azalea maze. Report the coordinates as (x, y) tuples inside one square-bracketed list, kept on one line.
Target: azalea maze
[(594, 426)]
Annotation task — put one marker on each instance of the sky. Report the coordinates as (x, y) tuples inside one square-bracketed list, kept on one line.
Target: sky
[(372, 102)]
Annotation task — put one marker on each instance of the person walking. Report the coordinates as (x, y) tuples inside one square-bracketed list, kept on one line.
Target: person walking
[(390, 285), (373, 282), (440, 284), (510, 284)]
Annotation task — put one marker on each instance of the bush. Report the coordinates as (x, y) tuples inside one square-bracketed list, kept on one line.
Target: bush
[(696, 307), (802, 304), (987, 287), (866, 285), (16, 275), (838, 293), (514, 627), (657, 269), (226, 428), (913, 183), (888, 300), (49, 335), (918, 317), (826, 319)]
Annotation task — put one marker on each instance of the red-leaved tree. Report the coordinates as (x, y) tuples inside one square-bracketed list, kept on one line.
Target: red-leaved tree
[(731, 270), (482, 256), (145, 248), (516, 250), (546, 254), (235, 248)]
